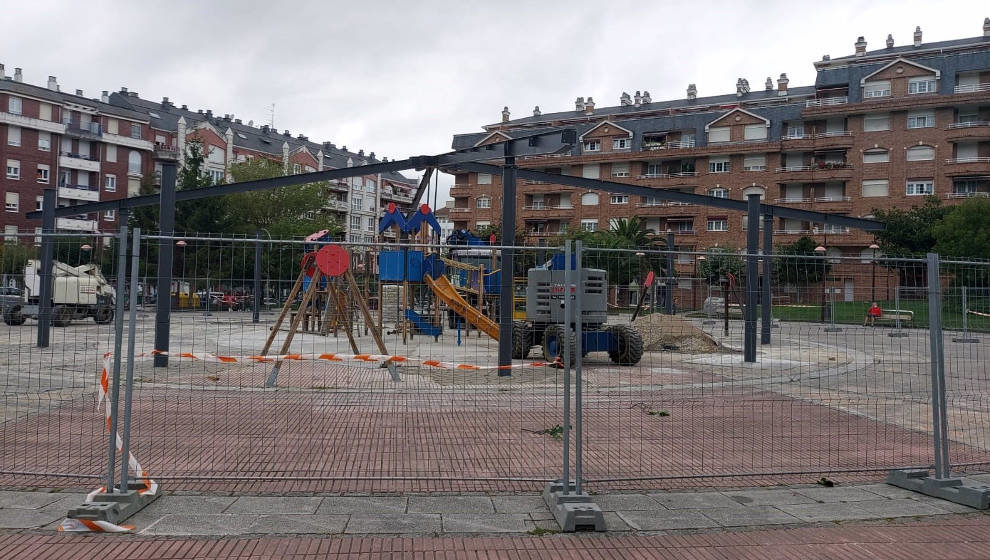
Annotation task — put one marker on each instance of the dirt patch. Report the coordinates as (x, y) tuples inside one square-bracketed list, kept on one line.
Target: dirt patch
[(670, 332)]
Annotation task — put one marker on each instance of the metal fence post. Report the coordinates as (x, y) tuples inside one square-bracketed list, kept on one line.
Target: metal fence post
[(965, 322), (118, 337), (45, 274), (897, 314), (129, 390), (766, 310), (939, 428), (565, 350), (256, 314), (669, 288), (578, 361)]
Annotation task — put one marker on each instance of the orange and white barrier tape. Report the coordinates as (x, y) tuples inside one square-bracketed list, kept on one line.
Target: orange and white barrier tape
[(331, 357), (150, 486)]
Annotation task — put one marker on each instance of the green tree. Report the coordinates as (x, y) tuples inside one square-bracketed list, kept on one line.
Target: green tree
[(791, 264), (203, 215), (14, 256), (909, 233), (965, 233), (719, 262)]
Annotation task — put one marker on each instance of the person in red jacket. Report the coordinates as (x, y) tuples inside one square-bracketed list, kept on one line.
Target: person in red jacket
[(872, 314)]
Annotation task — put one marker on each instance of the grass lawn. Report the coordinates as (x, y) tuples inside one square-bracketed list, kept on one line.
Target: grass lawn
[(854, 312)]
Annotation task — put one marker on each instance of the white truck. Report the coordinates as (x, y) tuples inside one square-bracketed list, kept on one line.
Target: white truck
[(78, 292)]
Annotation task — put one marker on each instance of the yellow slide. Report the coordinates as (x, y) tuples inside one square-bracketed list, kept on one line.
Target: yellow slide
[(446, 292)]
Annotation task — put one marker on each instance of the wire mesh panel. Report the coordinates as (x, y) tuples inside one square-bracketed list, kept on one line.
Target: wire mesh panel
[(51, 434), (839, 388), (965, 291)]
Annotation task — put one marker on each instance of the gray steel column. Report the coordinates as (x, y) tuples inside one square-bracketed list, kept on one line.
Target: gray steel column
[(118, 337), (45, 274), (752, 277), (256, 315), (669, 291), (937, 352), (166, 227), (508, 262), (767, 308), (125, 437)]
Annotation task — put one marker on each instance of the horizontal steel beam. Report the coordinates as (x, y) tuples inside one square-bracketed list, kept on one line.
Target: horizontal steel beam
[(678, 196)]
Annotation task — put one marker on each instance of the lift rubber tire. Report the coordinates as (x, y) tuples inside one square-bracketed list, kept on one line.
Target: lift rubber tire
[(104, 315), (522, 340), (61, 316), (629, 350), (13, 316), (552, 342)]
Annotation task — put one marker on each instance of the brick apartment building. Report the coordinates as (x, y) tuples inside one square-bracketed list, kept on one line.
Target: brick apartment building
[(103, 149), (878, 129)]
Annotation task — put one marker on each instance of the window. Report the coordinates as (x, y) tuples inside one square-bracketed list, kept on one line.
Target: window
[(357, 203), (482, 223), (483, 202), (876, 122), (755, 162), (134, 163), (111, 153), (45, 141), (591, 171), (11, 236), (719, 223), (371, 224), (13, 169), (920, 188), (110, 183), (38, 202), (12, 202), (654, 169), (718, 165), (619, 199), (589, 199), (681, 226), (355, 222), (876, 156), (621, 144), (135, 131), (620, 169), (113, 126), (589, 225), (795, 130), (875, 187), (14, 106), (592, 145), (64, 177), (718, 134), (484, 178), (43, 172), (924, 84), (45, 111), (296, 168), (876, 89), (13, 136), (755, 132), (920, 153), (921, 119), (216, 175), (719, 192), (110, 215)]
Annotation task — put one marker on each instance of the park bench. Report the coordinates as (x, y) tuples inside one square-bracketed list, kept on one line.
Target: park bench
[(892, 315)]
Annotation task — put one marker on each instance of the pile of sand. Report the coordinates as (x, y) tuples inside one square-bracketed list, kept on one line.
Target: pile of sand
[(673, 333)]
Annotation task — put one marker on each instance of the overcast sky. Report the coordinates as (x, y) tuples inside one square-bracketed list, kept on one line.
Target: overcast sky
[(399, 78)]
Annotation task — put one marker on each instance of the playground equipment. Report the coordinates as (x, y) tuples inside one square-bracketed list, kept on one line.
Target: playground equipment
[(79, 292), (544, 324), (329, 267)]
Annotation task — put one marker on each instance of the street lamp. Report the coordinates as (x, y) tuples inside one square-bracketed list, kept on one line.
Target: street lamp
[(873, 282), (87, 248), (820, 250), (707, 305), (181, 244)]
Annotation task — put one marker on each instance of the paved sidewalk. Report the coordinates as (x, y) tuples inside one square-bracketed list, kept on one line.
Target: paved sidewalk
[(459, 515), (945, 538)]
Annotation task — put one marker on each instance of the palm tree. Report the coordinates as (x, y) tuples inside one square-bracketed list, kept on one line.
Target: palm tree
[(632, 233)]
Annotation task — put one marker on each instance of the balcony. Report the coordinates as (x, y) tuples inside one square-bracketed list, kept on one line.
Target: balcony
[(826, 101), (818, 141), (29, 122), (792, 200), (791, 231), (75, 224), (831, 230), (671, 145), (337, 205), (79, 192), (968, 194), (88, 130), (163, 151), (78, 161), (971, 130), (816, 171), (973, 88), (456, 210), (136, 143), (967, 166), (537, 211)]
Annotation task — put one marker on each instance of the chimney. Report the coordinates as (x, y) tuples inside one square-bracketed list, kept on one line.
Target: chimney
[(209, 113), (917, 36), (343, 148), (132, 94), (371, 155), (123, 90), (579, 104), (251, 123), (200, 111), (536, 111), (105, 96), (264, 129), (986, 27), (18, 75), (2, 76), (326, 145), (769, 84), (692, 92), (589, 107), (165, 102), (890, 41), (287, 133), (79, 92), (505, 114), (361, 152), (782, 84), (625, 100), (637, 99), (185, 107), (238, 121), (742, 87), (860, 46), (52, 83), (826, 57), (646, 98)]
